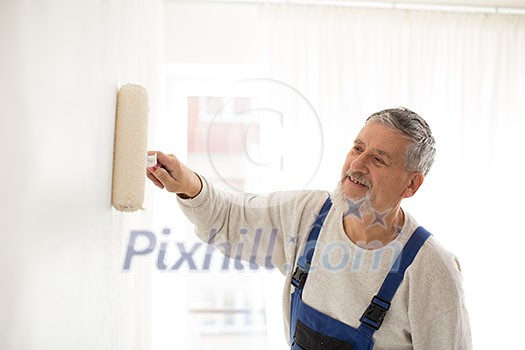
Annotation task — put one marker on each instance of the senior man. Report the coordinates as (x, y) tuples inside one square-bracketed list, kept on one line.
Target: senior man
[(360, 272)]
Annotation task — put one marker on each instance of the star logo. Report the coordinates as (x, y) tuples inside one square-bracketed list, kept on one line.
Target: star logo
[(379, 218), (292, 239), (354, 208), (397, 229)]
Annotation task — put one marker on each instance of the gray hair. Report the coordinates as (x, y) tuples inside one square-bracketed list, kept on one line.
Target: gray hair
[(421, 151)]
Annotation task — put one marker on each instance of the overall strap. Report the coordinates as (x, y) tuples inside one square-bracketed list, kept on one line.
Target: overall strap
[(303, 263), (376, 311)]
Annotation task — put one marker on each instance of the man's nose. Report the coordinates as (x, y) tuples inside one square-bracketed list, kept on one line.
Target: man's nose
[(360, 164)]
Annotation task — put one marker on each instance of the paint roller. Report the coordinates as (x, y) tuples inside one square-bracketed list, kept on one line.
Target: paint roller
[(130, 151)]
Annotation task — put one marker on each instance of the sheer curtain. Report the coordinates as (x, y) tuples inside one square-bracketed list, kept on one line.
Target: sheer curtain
[(464, 73)]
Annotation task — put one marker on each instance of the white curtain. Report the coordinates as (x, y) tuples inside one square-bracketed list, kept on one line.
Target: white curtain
[(465, 74)]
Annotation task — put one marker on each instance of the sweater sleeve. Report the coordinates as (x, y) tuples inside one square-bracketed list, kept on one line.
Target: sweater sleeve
[(437, 312), (261, 229)]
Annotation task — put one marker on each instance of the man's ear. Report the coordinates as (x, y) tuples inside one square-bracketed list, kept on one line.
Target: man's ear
[(416, 179)]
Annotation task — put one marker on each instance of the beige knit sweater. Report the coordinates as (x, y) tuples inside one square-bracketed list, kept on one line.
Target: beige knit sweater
[(428, 311)]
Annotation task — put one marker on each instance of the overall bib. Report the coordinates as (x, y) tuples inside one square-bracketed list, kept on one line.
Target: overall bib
[(313, 330)]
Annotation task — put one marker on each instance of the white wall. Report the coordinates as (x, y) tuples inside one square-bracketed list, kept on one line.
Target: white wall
[(62, 245)]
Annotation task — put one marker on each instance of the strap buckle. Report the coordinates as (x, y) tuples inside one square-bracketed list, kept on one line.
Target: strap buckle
[(300, 274), (375, 313)]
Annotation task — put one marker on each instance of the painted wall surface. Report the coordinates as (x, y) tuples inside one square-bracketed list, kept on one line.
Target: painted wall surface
[(61, 244)]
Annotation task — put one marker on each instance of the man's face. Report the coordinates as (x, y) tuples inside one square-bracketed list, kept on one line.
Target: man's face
[(377, 163)]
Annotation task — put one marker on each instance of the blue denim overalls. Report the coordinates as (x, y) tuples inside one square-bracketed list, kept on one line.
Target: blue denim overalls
[(313, 330)]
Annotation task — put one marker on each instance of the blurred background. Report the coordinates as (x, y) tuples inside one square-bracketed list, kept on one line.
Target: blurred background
[(258, 96)]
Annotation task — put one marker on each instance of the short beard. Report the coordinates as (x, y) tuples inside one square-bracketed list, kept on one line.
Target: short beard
[(341, 201)]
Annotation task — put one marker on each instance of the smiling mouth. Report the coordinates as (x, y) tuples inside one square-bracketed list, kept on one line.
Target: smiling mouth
[(357, 182)]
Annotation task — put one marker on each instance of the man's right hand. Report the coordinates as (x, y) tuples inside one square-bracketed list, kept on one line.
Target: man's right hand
[(174, 176)]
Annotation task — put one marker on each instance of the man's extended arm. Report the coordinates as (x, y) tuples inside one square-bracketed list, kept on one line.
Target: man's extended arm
[(261, 229)]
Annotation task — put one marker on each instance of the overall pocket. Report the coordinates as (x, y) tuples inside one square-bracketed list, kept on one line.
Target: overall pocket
[(308, 339)]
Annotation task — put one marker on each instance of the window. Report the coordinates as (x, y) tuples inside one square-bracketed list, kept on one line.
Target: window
[(216, 304)]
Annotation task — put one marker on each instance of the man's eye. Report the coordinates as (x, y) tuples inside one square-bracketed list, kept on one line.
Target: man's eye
[(358, 149), (378, 160)]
